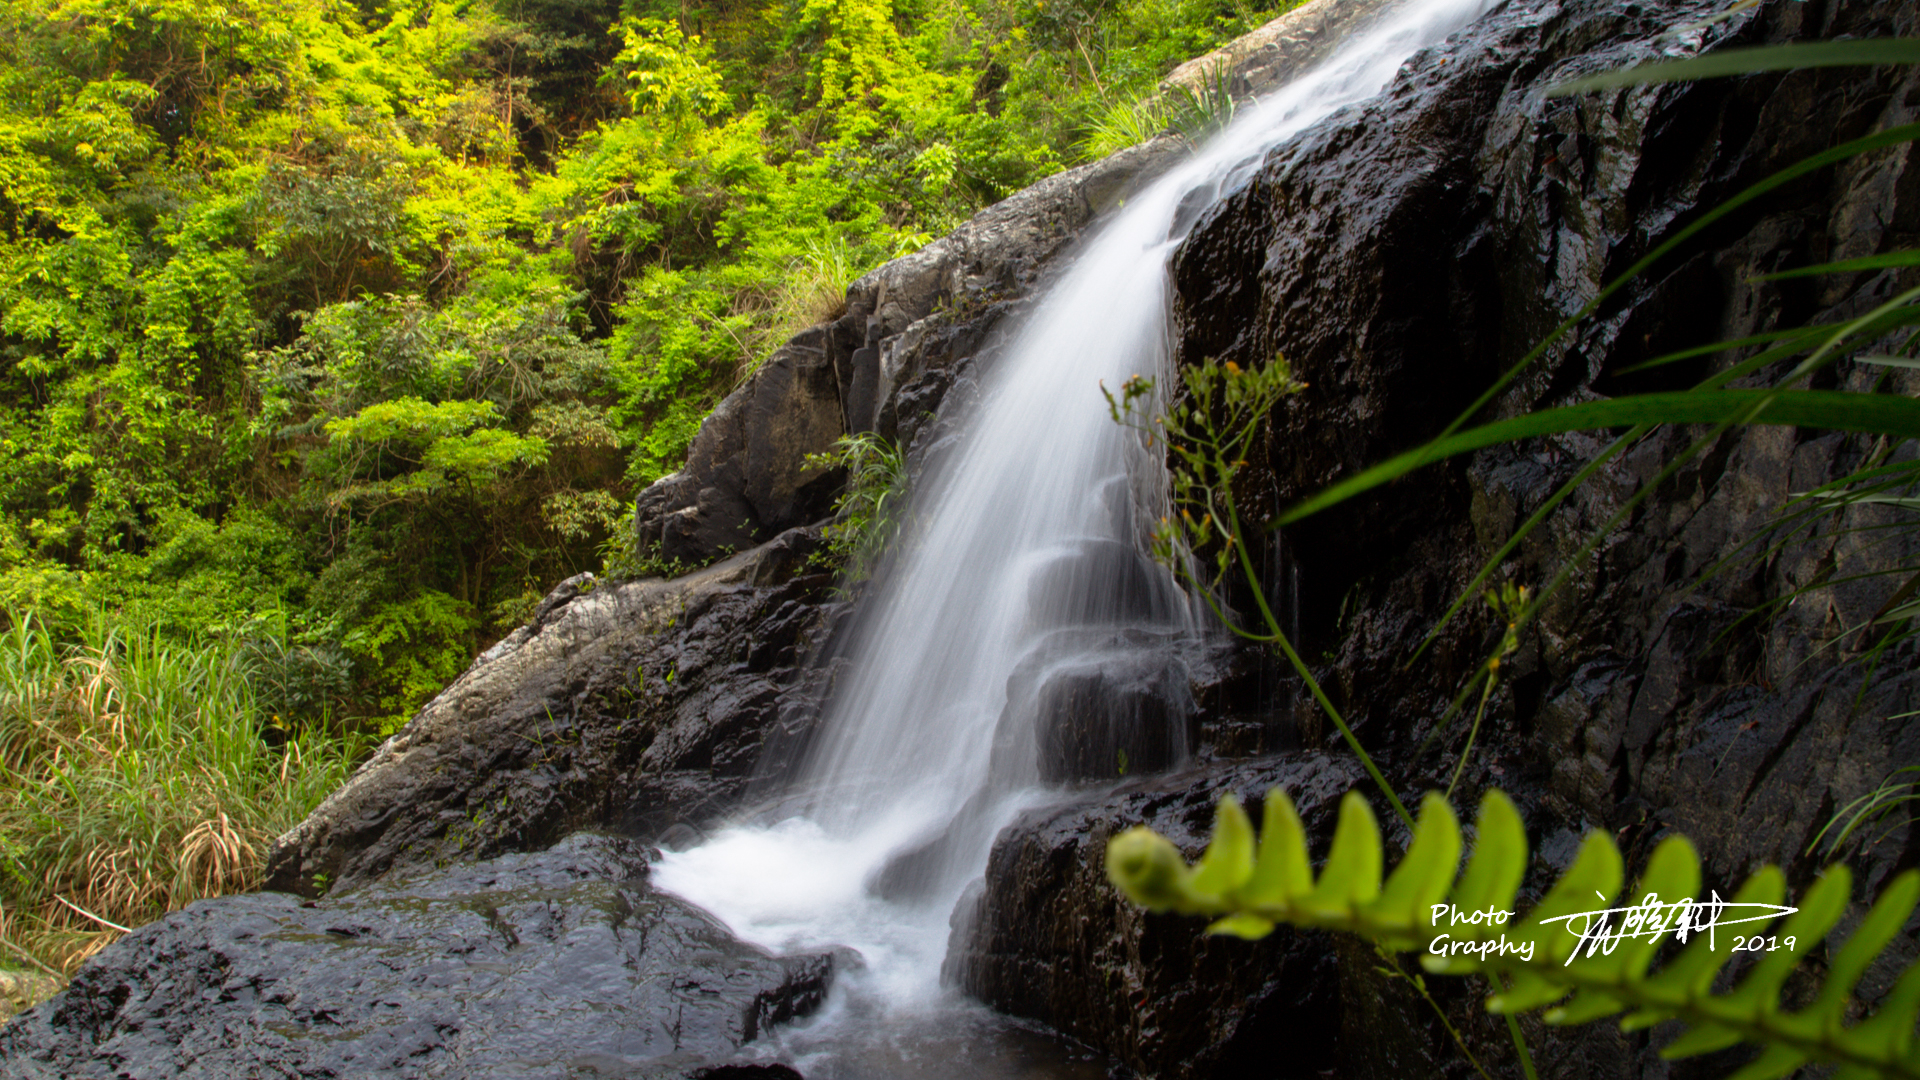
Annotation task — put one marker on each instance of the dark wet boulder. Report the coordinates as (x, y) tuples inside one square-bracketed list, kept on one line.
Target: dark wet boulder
[(1096, 705), (554, 965), (1112, 715), (746, 476), (1048, 938), (1401, 256), (1404, 254), (634, 706)]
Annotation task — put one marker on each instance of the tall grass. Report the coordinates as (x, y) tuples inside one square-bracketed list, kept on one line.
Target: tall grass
[(813, 290), (137, 774), (1122, 124), (870, 513), (1195, 111)]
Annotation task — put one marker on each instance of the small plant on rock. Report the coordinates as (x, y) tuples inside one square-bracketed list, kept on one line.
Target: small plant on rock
[(869, 514)]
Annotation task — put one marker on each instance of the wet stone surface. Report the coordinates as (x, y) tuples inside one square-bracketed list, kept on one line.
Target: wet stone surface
[(635, 707), (558, 964), (1401, 255), (1048, 937), (1097, 705)]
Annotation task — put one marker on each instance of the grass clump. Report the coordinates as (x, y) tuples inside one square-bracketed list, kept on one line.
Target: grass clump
[(137, 774), (1120, 125), (1195, 112), (813, 290), (871, 512)]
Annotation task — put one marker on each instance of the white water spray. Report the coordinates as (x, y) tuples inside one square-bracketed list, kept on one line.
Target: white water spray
[(1025, 552)]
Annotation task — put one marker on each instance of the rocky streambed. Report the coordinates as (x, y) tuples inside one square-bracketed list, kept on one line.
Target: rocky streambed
[(1400, 255)]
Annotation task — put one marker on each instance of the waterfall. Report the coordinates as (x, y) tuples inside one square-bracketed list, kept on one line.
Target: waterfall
[(1022, 563)]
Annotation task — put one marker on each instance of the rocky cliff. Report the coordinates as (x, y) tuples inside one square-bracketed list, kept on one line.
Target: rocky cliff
[(1400, 255)]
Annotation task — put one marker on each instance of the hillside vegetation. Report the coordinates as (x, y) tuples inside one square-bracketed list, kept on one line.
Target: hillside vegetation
[(333, 335)]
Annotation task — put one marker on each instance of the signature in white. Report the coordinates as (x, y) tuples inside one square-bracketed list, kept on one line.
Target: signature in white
[(1652, 918)]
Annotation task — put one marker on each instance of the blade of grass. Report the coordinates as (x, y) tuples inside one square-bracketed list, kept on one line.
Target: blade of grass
[(1868, 52), (1827, 409)]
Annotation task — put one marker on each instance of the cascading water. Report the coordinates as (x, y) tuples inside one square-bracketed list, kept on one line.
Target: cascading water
[(1023, 560)]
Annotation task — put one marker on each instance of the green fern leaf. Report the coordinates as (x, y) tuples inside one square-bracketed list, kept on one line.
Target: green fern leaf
[(1499, 859), (1228, 861), (1422, 878), (1352, 877), (1282, 872), (1577, 941)]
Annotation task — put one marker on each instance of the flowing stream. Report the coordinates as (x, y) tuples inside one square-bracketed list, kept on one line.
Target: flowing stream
[(1021, 563)]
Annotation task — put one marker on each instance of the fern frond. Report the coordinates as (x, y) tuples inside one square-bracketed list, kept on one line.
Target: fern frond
[(1577, 954)]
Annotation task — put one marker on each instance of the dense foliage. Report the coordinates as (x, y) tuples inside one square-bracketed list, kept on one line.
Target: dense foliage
[(333, 334), (377, 315)]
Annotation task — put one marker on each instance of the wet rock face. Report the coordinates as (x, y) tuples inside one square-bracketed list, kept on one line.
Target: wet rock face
[(559, 964), (1404, 255), (1401, 256), (1047, 937), (635, 706), (1097, 705), (746, 476), (910, 330), (1111, 716)]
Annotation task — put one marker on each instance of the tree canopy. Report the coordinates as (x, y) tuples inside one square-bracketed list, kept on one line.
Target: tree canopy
[(363, 323)]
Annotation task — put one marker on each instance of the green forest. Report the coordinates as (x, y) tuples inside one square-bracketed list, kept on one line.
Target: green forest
[(333, 335)]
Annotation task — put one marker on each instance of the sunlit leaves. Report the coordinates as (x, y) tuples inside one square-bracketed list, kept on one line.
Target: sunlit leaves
[(668, 71), (337, 261), (410, 420)]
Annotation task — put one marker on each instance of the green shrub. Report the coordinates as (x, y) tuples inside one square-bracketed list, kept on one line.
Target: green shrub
[(413, 648)]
